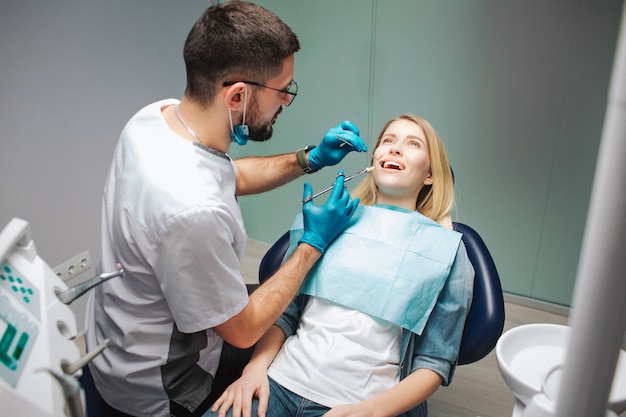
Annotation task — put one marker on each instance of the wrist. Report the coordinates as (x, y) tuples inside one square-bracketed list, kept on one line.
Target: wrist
[(303, 161), (313, 243), (257, 365)]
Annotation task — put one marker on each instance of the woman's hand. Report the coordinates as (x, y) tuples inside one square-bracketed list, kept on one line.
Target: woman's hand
[(252, 383)]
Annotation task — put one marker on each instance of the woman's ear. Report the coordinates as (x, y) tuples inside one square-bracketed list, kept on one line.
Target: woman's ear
[(234, 96), (429, 179)]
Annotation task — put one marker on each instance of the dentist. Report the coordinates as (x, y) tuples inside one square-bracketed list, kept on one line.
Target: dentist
[(170, 216)]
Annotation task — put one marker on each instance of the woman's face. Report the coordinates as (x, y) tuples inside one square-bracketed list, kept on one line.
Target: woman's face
[(403, 164)]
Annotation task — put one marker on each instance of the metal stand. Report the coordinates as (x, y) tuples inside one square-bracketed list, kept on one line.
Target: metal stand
[(599, 305)]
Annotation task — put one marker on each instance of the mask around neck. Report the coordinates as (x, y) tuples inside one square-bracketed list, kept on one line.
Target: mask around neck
[(240, 134)]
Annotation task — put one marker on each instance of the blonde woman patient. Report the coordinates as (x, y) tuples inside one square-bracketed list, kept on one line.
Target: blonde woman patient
[(377, 325)]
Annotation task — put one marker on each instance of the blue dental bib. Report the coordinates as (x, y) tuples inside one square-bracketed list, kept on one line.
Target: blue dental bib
[(389, 263)]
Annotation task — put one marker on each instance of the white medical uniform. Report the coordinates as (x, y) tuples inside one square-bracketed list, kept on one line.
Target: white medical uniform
[(171, 218)]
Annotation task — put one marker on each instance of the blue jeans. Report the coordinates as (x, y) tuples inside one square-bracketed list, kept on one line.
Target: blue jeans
[(283, 403)]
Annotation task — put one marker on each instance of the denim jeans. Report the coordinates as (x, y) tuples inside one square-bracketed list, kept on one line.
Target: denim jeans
[(283, 403)]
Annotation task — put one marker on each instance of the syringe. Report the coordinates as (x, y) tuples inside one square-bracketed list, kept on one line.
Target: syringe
[(361, 172)]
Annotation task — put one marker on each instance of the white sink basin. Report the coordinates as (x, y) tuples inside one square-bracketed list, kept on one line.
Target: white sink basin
[(531, 356)]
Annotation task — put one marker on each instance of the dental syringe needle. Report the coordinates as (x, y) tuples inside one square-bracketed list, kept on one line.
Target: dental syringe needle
[(361, 172)]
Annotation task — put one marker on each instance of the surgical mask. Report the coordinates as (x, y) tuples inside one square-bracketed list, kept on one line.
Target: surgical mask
[(240, 134)]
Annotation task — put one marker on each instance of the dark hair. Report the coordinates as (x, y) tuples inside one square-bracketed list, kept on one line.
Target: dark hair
[(235, 40)]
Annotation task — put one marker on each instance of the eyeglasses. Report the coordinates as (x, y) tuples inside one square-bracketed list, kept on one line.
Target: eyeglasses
[(291, 90)]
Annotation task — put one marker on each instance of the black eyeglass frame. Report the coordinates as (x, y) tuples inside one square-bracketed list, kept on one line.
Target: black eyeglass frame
[(285, 90)]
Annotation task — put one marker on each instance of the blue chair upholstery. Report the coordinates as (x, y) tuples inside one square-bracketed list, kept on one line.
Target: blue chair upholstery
[(485, 320)]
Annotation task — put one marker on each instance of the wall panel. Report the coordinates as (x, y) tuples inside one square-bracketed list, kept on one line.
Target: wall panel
[(516, 90)]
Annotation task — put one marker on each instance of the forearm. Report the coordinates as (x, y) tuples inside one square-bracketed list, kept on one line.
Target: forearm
[(274, 295), (259, 174), (266, 349), (263, 173), (269, 300), (407, 394)]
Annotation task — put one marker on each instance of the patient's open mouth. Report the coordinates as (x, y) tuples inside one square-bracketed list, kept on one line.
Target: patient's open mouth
[(391, 165)]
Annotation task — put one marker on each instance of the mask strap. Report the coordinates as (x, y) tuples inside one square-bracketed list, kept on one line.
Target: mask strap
[(230, 118), (240, 134), (230, 114), (245, 98)]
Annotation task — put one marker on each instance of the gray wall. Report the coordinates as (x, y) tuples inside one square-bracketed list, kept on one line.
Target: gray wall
[(517, 90), (71, 74)]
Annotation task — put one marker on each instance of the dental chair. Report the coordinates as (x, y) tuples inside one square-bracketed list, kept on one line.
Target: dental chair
[(485, 320), (483, 326)]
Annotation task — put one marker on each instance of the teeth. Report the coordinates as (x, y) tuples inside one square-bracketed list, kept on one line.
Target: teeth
[(391, 165)]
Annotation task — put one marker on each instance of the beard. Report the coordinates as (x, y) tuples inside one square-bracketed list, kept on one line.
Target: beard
[(260, 131)]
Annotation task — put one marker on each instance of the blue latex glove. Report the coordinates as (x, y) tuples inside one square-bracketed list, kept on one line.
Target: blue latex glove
[(332, 150), (322, 224)]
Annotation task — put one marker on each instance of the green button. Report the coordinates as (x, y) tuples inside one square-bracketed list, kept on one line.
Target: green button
[(21, 343)]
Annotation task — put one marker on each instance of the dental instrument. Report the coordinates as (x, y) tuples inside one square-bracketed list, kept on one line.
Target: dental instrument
[(69, 295), (40, 361), (345, 142), (361, 172)]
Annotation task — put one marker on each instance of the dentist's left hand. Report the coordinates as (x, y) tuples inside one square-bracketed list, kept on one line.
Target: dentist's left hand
[(332, 150)]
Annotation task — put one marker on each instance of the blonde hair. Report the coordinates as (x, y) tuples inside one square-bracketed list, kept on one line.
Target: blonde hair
[(434, 201)]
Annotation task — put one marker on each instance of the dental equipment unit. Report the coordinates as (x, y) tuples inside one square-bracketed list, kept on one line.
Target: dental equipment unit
[(39, 359), (358, 174)]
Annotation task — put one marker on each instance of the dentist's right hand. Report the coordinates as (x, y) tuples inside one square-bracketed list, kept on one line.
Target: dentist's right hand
[(322, 224)]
